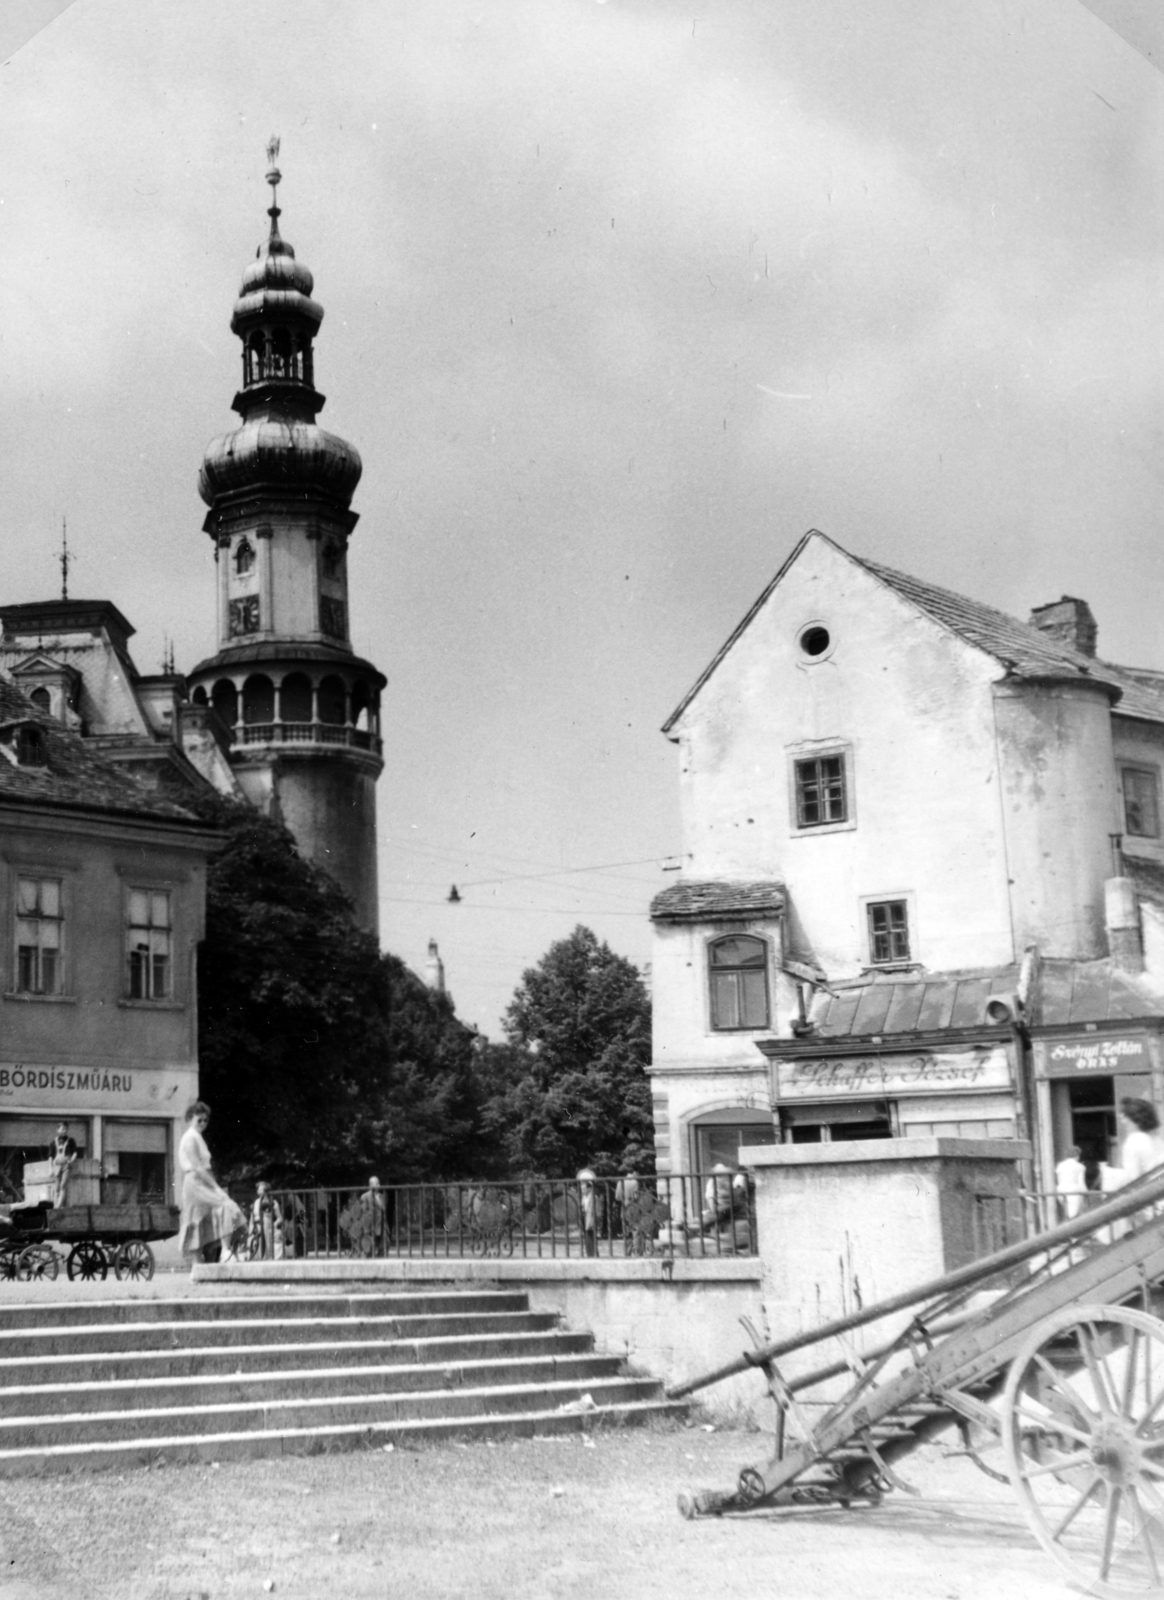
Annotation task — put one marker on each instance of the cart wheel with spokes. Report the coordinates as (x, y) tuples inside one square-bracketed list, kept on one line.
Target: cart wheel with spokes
[(133, 1259), (1083, 1439), (9, 1255), (87, 1260), (37, 1261)]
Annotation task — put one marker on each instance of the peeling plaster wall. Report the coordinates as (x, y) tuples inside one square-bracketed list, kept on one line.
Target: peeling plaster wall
[(1058, 780)]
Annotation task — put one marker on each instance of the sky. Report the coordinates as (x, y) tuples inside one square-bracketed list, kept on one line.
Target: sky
[(622, 297)]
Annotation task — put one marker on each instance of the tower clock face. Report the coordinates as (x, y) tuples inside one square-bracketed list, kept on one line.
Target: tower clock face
[(244, 615)]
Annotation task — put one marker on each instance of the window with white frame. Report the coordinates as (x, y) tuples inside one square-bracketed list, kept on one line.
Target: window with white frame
[(39, 936), (149, 944), (821, 795), (1141, 787), (738, 976), (888, 931)]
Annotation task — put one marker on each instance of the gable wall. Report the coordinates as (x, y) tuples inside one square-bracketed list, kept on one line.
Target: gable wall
[(911, 705)]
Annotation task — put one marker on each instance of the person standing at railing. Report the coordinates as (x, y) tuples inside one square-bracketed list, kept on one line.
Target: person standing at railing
[(588, 1211), (1071, 1183), (373, 1216), (267, 1223)]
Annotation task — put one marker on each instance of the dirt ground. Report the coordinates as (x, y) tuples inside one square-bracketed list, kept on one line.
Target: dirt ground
[(575, 1518)]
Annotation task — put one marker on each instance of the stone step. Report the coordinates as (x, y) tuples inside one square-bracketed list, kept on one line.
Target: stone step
[(197, 1361), (29, 1344), (125, 1453), (306, 1414), (224, 1389), (208, 1308)]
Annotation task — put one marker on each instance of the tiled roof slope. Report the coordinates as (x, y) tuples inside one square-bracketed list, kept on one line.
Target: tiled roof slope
[(696, 902), (908, 1002), (1019, 646), (1023, 648), (75, 776)]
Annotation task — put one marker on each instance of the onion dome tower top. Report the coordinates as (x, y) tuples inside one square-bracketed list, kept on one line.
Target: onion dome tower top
[(278, 445)]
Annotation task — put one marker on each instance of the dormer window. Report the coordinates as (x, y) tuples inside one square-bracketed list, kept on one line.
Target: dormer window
[(29, 745), (40, 699), (24, 744), (244, 559)]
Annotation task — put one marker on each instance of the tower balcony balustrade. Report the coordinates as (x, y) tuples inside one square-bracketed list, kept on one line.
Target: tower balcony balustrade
[(251, 733)]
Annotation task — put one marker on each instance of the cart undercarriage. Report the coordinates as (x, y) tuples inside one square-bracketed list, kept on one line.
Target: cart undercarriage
[(1049, 1347)]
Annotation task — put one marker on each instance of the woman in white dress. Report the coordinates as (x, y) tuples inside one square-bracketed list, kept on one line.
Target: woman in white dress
[(1143, 1148), (209, 1215)]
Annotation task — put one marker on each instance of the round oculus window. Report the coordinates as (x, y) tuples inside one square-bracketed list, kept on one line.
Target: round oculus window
[(814, 641)]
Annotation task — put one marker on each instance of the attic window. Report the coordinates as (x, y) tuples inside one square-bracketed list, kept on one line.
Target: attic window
[(29, 745), (814, 642)]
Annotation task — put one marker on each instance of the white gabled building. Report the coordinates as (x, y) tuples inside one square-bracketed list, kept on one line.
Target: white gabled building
[(901, 809)]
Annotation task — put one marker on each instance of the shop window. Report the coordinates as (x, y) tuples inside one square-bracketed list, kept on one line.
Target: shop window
[(821, 795), (738, 970), (149, 944), (719, 1143), (138, 1151), (1141, 802), (39, 936), (888, 931), (836, 1124)]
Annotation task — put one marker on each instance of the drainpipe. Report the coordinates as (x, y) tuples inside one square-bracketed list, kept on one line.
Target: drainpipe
[(1121, 914)]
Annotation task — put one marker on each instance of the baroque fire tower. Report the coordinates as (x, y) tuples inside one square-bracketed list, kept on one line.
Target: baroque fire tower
[(303, 710)]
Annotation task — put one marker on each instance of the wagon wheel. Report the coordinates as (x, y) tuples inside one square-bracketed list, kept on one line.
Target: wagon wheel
[(1083, 1436), (9, 1256), (37, 1261), (133, 1259), (87, 1260)]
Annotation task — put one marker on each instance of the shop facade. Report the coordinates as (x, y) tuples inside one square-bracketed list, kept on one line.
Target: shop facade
[(1081, 1073), (102, 907)]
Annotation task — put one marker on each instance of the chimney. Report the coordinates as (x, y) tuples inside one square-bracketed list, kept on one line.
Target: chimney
[(1068, 621)]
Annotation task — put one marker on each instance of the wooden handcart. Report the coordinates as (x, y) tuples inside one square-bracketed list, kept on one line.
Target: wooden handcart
[(1050, 1347)]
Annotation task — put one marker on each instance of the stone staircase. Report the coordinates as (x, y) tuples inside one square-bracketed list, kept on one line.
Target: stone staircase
[(116, 1383)]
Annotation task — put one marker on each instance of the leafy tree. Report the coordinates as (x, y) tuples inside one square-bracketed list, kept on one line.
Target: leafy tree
[(322, 1058), (569, 1088)]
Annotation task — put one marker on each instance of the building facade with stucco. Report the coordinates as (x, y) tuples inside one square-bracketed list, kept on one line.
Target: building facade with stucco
[(921, 878), (103, 896)]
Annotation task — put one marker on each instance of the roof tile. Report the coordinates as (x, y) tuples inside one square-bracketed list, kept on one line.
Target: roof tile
[(707, 901)]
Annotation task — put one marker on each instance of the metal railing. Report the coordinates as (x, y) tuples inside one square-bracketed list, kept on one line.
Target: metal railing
[(304, 733), (677, 1215)]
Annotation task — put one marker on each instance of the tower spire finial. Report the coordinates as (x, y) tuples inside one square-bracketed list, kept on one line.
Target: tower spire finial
[(64, 558), (274, 178)]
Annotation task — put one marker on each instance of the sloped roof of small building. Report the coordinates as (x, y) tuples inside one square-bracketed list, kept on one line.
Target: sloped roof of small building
[(1022, 649), (883, 1003), (74, 775), (1064, 993), (710, 900)]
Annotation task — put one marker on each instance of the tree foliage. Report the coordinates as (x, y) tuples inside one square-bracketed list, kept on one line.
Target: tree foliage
[(320, 1057), (569, 1088)]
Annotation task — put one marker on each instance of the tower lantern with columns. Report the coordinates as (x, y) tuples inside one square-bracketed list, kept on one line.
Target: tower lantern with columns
[(302, 707)]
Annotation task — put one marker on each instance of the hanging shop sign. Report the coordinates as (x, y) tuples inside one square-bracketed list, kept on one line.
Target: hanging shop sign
[(1091, 1052), (929, 1072)]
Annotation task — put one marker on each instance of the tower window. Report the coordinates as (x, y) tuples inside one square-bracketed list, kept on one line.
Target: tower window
[(39, 935), (331, 559), (244, 559), (148, 938), (738, 974)]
